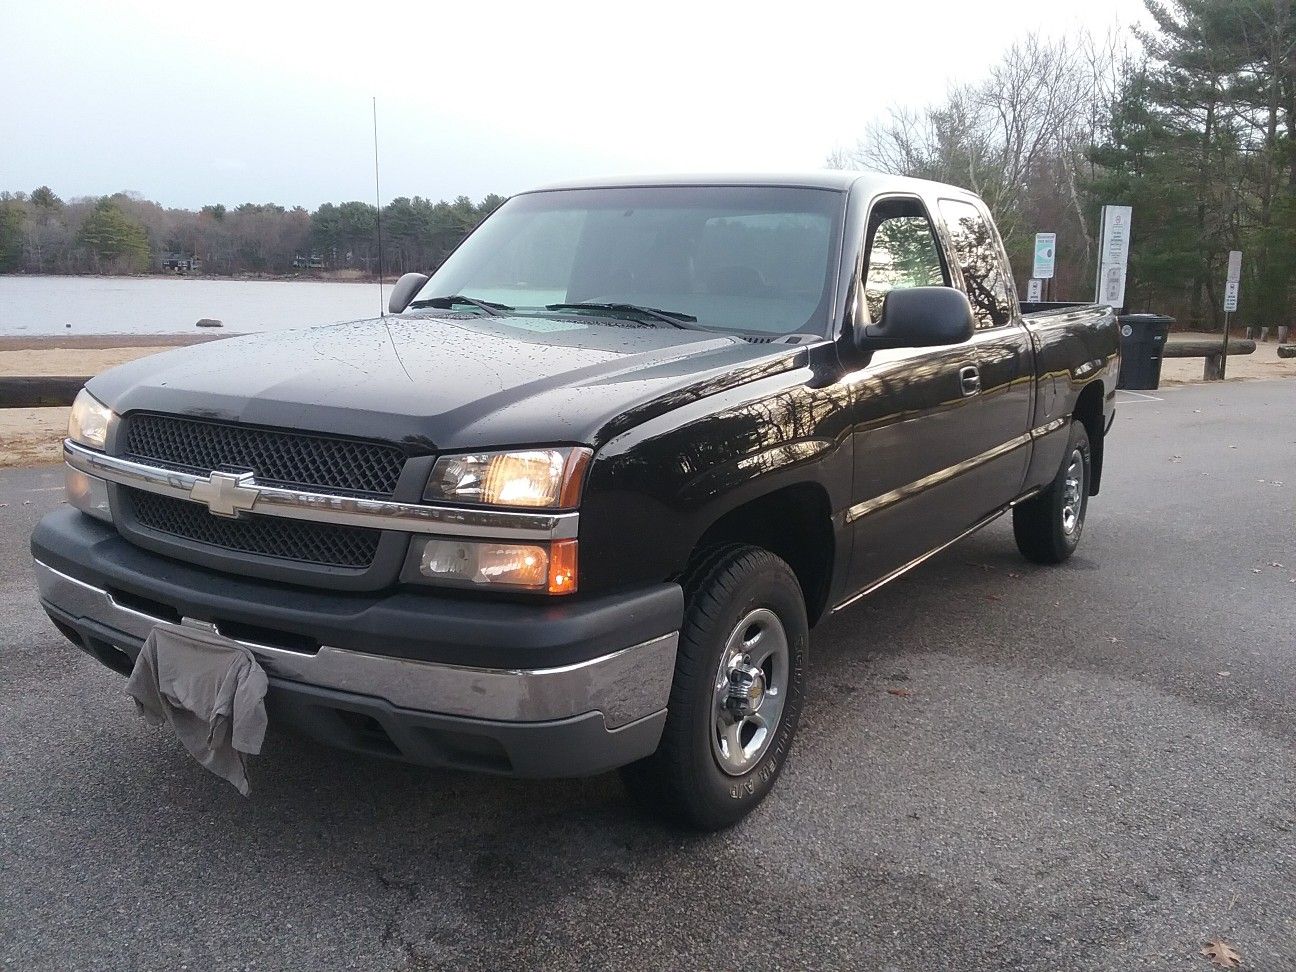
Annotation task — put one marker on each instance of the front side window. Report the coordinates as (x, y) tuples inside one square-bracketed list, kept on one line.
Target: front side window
[(976, 247), (746, 259), (902, 252)]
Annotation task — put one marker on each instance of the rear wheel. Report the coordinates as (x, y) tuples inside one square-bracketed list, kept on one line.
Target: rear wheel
[(1048, 526), (737, 693)]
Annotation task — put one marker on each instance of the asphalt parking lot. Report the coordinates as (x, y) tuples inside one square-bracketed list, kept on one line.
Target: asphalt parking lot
[(1000, 766)]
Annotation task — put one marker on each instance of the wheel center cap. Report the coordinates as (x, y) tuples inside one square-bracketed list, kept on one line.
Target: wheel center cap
[(746, 689)]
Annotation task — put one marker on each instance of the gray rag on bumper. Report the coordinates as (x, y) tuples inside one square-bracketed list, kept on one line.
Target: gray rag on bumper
[(212, 692)]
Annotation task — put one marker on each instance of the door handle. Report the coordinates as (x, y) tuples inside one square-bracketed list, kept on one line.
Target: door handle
[(969, 380)]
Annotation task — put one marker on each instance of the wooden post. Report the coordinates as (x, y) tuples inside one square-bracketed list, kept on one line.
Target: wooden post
[(1213, 371)]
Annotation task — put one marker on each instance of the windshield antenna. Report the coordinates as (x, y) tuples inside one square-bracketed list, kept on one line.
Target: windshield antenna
[(382, 307)]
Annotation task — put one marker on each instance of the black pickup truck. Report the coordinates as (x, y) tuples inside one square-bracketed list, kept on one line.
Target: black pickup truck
[(576, 503)]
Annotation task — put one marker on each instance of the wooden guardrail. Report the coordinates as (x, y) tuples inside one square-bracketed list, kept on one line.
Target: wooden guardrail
[(42, 391), (1211, 350)]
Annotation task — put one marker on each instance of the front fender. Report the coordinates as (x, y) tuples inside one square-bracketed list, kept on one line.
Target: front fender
[(654, 490)]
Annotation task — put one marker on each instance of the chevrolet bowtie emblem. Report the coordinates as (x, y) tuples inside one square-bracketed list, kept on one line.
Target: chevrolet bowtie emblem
[(226, 494)]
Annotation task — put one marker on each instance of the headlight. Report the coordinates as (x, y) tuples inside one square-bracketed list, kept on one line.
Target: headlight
[(543, 478), (88, 423), (498, 564)]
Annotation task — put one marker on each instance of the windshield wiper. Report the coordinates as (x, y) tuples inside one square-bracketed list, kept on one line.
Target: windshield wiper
[(673, 318), (445, 303)]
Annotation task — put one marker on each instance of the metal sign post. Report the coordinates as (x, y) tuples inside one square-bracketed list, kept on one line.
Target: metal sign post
[(1230, 303)]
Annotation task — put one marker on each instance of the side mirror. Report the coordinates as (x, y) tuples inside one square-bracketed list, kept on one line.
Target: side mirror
[(406, 287), (919, 317)]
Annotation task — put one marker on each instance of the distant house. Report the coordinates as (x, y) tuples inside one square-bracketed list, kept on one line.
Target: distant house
[(312, 262), (180, 263)]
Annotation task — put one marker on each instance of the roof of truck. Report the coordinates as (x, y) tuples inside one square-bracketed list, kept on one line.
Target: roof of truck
[(838, 179)]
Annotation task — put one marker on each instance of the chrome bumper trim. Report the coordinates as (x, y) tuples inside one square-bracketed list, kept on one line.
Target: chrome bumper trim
[(624, 686), (353, 511)]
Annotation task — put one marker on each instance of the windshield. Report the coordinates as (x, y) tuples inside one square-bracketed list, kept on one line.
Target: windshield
[(748, 259)]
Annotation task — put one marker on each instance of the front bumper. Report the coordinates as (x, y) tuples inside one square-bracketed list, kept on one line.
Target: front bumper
[(527, 690)]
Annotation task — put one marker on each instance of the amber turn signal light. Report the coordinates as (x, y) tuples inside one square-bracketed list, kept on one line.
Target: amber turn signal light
[(562, 567)]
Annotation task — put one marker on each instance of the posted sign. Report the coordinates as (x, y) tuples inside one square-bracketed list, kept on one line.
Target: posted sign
[(1234, 279), (1113, 255), (1230, 296), (1033, 290), (1045, 252)]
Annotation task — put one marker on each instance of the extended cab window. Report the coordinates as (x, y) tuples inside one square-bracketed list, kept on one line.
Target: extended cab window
[(981, 259), (902, 251), (737, 258)]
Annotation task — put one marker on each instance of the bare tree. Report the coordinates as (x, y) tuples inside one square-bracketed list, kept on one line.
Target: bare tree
[(1018, 139)]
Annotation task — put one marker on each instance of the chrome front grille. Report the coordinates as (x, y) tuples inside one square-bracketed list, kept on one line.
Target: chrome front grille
[(295, 459)]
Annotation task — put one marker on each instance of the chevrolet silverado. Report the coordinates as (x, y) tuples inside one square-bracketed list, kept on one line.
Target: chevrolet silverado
[(576, 502)]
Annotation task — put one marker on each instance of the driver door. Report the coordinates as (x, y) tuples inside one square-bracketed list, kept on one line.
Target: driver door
[(912, 420)]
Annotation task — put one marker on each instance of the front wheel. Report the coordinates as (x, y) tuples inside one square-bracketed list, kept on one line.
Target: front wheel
[(1048, 526), (737, 693)]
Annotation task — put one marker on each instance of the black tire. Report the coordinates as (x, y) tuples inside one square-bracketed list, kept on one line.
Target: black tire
[(684, 779), (1041, 523)]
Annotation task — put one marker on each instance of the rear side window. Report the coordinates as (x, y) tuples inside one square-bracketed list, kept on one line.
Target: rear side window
[(980, 258)]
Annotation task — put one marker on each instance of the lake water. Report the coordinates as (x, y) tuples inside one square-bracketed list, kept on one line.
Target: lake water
[(171, 305)]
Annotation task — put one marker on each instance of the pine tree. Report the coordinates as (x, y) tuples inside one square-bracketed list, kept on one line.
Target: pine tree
[(113, 242)]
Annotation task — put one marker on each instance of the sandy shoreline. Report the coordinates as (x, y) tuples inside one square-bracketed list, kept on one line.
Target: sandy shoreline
[(30, 436)]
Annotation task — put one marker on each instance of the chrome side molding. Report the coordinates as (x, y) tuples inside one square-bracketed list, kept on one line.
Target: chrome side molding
[(935, 479), (894, 496), (1048, 427), (923, 558)]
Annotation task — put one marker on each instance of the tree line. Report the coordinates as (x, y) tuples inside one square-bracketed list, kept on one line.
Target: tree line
[(125, 233), (1193, 125)]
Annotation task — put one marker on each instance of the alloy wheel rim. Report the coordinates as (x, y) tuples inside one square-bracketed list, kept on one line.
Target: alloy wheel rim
[(749, 691), (1073, 494)]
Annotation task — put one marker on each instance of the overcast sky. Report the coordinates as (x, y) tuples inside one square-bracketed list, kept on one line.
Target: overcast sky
[(232, 101)]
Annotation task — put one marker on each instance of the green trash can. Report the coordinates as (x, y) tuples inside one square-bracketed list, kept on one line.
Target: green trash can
[(1142, 342)]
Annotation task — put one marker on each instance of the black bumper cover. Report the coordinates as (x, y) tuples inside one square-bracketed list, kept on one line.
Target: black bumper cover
[(407, 624), (403, 623)]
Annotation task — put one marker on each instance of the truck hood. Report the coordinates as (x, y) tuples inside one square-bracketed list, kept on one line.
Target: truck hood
[(440, 383)]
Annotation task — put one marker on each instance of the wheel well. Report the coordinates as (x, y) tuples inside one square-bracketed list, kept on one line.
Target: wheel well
[(1089, 410), (794, 523)]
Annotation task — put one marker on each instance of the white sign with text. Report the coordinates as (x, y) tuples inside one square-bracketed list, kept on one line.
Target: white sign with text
[(1045, 255), (1232, 282), (1113, 255)]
